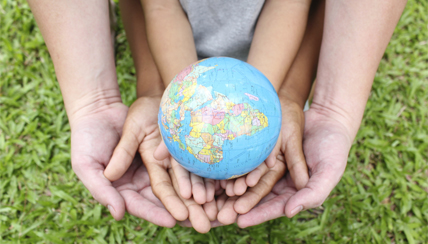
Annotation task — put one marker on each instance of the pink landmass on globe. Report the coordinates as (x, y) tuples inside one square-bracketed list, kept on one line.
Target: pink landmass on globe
[(252, 97)]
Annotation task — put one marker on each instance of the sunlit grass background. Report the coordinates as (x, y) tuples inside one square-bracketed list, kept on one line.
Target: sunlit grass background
[(382, 197)]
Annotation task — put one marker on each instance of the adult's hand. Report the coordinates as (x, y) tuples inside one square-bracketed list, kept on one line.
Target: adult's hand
[(94, 135), (326, 143)]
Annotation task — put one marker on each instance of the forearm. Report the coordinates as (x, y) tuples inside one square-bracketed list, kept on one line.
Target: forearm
[(169, 36), (298, 80), (355, 37), (277, 38), (77, 34), (149, 82)]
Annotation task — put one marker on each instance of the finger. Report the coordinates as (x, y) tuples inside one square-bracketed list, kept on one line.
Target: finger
[(197, 215), (198, 189), (271, 159), (210, 209), (221, 200), (272, 206), (188, 224), (185, 223), (223, 184), (141, 207), (253, 195), (254, 176), (264, 212), (219, 191), (296, 163), (210, 187), (164, 190), (217, 185), (229, 188), (240, 186), (161, 152), (183, 179), (227, 214), (316, 191), (91, 175), (124, 152)]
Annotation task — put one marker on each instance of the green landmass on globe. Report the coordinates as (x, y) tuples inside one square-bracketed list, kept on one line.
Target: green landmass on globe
[(212, 124)]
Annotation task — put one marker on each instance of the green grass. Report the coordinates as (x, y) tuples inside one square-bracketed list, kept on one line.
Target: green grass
[(382, 197)]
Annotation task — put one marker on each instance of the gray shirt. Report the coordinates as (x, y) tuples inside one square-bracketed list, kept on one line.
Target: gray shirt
[(222, 28)]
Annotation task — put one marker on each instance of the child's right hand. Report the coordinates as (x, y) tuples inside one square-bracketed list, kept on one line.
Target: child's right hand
[(141, 133), (188, 184)]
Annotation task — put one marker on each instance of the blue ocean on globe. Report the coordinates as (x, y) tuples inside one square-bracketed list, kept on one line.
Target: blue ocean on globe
[(220, 118)]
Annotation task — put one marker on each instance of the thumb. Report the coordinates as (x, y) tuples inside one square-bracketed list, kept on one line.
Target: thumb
[(295, 159), (271, 159), (316, 191), (124, 152), (161, 152), (101, 189)]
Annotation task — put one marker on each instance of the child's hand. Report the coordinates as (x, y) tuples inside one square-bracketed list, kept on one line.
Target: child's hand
[(189, 184), (289, 146), (230, 207), (238, 186), (287, 153), (290, 142), (141, 132), (199, 215)]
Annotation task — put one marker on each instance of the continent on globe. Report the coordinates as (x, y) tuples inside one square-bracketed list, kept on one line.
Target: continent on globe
[(211, 125), (208, 107)]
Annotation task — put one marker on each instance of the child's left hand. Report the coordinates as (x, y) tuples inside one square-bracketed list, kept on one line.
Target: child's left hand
[(288, 153)]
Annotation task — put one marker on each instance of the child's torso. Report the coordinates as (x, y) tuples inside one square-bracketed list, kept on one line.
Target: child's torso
[(222, 28)]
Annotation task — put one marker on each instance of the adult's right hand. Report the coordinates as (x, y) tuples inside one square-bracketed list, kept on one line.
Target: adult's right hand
[(326, 144), (94, 135)]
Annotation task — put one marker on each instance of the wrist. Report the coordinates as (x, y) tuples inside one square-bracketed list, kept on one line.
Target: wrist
[(92, 102), (294, 96), (328, 111), (341, 101), (147, 89)]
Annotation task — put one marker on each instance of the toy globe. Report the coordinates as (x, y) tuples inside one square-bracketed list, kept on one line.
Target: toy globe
[(220, 118)]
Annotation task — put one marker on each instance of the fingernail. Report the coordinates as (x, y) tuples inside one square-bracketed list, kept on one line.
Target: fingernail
[(296, 210), (111, 209)]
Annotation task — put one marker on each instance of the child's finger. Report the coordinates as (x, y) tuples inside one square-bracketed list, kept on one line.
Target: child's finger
[(210, 209), (227, 214), (217, 185), (271, 159), (210, 187), (163, 189), (218, 189), (229, 188), (161, 152), (296, 163), (124, 152), (254, 176), (198, 189), (223, 184), (183, 179), (253, 195), (221, 200), (240, 186), (197, 215)]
